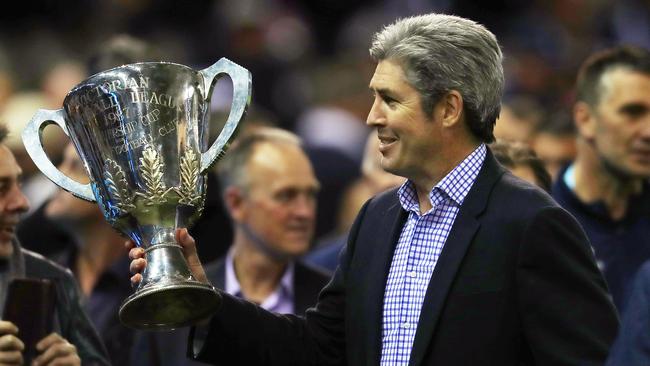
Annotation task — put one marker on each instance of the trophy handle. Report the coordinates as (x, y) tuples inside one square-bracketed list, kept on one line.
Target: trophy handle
[(33, 140), (241, 97)]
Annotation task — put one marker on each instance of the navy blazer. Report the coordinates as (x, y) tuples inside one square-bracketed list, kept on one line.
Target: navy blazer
[(515, 284)]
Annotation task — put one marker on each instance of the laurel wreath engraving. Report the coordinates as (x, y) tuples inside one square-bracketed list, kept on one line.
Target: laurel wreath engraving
[(189, 170), (118, 187), (152, 175), (155, 191)]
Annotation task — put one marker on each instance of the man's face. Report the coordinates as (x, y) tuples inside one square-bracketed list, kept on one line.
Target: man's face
[(512, 128), (66, 207), (619, 127), (555, 151), (280, 204), (12, 201), (406, 134)]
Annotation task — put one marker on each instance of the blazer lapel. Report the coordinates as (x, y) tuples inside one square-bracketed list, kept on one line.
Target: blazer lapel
[(386, 234), (460, 237)]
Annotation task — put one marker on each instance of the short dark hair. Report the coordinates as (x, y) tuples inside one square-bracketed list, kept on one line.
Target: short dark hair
[(592, 70), (514, 154)]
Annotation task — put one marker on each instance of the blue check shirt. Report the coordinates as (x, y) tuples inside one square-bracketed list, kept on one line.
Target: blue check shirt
[(416, 254)]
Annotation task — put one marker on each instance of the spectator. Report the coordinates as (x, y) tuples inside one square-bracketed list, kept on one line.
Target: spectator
[(270, 190), (518, 119), (91, 248), (74, 341), (606, 188), (554, 142)]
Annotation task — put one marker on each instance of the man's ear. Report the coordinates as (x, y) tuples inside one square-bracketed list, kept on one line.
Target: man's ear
[(451, 106), (233, 198), (583, 116)]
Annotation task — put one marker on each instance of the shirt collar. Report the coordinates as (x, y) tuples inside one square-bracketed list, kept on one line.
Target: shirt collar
[(455, 185), (283, 290)]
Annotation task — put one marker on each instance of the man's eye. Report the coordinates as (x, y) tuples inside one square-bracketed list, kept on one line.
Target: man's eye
[(634, 110), (284, 196), (390, 101)]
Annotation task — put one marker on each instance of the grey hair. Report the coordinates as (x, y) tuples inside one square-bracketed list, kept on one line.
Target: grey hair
[(232, 168), (440, 53)]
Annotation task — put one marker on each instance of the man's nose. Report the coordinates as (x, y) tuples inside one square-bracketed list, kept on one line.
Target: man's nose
[(375, 116), (305, 207), (645, 127), (18, 202)]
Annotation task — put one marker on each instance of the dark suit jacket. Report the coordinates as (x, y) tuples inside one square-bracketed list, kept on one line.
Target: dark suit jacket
[(516, 284), (308, 281)]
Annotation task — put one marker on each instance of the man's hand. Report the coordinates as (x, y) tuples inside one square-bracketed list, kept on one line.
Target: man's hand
[(11, 348), (138, 263), (55, 350)]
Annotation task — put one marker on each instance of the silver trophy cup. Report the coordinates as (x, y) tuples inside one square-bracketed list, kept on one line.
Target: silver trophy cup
[(141, 131)]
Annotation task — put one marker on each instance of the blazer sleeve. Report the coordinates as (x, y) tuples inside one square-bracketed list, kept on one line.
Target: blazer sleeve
[(567, 314), (242, 333)]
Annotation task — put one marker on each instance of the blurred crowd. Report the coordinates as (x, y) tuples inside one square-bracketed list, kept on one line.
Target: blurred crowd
[(309, 63), (310, 69)]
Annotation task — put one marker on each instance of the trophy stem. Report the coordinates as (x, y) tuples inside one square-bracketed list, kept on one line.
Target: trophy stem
[(168, 296)]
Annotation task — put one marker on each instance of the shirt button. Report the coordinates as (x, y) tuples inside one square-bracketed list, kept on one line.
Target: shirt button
[(406, 325), (411, 274)]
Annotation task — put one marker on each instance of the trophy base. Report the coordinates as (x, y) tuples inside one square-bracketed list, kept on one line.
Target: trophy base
[(169, 307)]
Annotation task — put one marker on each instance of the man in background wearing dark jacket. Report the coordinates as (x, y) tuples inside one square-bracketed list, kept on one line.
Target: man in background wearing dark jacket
[(74, 340)]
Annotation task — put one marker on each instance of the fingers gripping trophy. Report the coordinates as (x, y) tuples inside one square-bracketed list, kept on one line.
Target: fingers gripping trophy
[(142, 132)]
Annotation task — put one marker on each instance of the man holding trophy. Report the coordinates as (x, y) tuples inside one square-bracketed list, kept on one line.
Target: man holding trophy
[(464, 264)]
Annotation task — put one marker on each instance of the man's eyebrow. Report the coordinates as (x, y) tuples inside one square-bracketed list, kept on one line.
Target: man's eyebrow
[(381, 91), (633, 107)]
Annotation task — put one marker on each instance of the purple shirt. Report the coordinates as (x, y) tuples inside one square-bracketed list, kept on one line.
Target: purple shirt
[(279, 301)]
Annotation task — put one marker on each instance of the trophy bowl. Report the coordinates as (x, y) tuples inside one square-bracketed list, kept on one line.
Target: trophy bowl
[(141, 131)]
